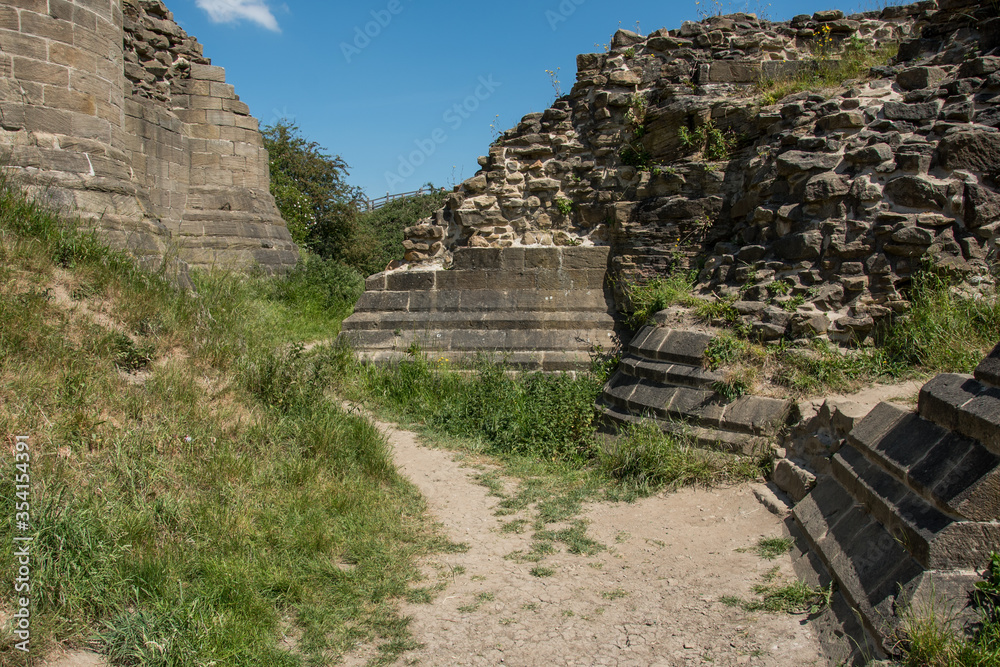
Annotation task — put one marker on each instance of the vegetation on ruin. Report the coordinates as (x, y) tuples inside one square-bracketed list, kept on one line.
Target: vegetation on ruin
[(945, 329), (831, 67), (934, 638)]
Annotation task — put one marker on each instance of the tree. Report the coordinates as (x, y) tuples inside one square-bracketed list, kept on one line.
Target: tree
[(311, 190)]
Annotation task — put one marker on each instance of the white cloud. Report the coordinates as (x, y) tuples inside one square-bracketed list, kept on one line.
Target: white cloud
[(228, 11)]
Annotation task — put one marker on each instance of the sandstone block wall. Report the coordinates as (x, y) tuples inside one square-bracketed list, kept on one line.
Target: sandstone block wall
[(109, 109)]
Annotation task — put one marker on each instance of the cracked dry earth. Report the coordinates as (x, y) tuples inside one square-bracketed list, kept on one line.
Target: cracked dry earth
[(653, 598)]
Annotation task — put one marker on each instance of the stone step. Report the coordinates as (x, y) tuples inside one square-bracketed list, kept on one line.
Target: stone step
[(934, 539), (485, 340), (956, 474), (988, 371), (963, 404), (485, 300), (753, 415), (510, 320), (666, 372), (478, 279), (516, 259), (614, 418), (547, 360), (870, 566), (674, 345)]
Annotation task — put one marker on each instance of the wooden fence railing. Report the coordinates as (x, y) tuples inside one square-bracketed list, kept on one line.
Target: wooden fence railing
[(379, 202)]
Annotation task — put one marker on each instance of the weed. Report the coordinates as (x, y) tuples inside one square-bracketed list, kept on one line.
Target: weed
[(615, 594), (644, 299), (539, 571), (645, 459), (770, 548), (856, 58), (564, 206), (792, 598), (554, 80)]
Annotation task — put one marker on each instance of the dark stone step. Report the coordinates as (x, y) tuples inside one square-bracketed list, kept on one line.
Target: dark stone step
[(508, 320), (471, 340), (933, 539), (674, 345), (614, 418), (753, 415), (667, 372), (954, 473), (484, 300), (961, 403), (868, 563), (988, 371)]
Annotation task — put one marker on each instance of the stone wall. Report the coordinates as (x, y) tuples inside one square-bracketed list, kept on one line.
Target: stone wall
[(904, 510), (109, 110), (839, 196)]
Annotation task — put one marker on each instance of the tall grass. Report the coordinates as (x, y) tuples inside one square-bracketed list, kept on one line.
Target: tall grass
[(644, 459), (853, 60), (197, 496), (549, 416)]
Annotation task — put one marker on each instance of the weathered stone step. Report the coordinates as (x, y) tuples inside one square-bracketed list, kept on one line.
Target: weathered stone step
[(674, 345), (963, 404), (753, 415), (934, 539), (481, 300), (478, 279), (526, 340), (516, 259), (544, 360), (870, 566), (707, 438), (512, 320), (954, 473), (667, 372)]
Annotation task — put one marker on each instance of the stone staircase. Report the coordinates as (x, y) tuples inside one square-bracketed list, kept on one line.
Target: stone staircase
[(540, 308), (910, 508), (661, 377)]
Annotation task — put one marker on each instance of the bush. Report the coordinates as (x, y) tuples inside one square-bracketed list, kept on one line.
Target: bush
[(377, 237)]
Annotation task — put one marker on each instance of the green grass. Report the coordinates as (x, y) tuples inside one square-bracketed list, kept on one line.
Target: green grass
[(770, 548), (933, 637), (644, 299), (830, 70), (197, 494), (795, 597), (644, 459)]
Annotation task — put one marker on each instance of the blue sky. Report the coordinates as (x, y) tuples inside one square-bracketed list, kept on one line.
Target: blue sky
[(406, 90)]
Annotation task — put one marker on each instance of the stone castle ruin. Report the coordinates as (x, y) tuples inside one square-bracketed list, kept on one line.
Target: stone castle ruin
[(109, 110), (814, 212)]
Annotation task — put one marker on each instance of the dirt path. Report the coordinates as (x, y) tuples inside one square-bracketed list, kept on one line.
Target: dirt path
[(651, 599)]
